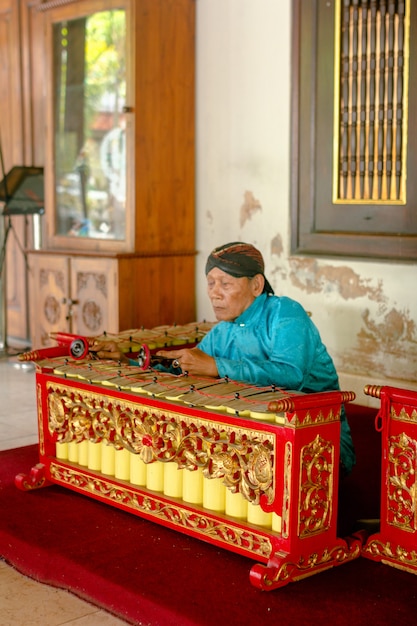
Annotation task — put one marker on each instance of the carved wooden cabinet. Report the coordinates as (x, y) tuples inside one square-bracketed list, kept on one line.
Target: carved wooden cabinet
[(88, 294), (118, 252), (72, 294)]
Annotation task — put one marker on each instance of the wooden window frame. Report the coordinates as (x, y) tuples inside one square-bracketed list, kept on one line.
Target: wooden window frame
[(320, 226)]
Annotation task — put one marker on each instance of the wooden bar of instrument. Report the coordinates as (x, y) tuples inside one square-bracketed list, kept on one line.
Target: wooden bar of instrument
[(253, 470)]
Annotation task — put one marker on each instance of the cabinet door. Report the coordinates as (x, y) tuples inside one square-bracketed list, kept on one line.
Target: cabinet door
[(49, 290), (90, 133), (94, 292)]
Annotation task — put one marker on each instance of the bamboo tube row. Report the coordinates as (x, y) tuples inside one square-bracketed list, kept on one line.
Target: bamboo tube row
[(190, 486)]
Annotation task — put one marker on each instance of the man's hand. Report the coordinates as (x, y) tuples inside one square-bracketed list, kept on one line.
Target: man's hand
[(193, 361), (108, 350)]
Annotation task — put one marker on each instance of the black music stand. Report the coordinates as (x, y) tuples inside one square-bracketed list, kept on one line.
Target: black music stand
[(22, 191)]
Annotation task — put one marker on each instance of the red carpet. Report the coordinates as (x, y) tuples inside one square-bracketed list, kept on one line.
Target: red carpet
[(150, 575)]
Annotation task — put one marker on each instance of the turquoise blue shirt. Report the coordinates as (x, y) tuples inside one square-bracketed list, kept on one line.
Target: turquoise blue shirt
[(274, 341)]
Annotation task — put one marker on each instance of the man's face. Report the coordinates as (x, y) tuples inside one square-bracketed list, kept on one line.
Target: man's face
[(230, 296)]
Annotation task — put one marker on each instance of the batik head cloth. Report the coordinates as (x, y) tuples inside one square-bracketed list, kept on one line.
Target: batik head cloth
[(238, 259)]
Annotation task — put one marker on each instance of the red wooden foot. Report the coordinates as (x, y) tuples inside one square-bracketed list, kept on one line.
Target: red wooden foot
[(34, 480), (285, 568)]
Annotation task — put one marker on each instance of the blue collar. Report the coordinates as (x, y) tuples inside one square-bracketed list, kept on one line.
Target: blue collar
[(253, 312)]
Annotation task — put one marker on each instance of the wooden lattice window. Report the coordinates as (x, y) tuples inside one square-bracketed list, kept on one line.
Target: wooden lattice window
[(354, 188), (372, 91)]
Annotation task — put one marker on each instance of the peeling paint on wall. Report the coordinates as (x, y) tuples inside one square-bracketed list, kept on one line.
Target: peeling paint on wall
[(276, 246), (387, 347), (377, 337), (309, 276), (396, 327), (249, 207)]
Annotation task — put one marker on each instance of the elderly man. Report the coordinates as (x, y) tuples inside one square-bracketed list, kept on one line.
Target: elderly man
[(261, 339)]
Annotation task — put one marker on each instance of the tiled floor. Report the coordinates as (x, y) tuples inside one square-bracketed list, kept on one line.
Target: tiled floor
[(24, 602)]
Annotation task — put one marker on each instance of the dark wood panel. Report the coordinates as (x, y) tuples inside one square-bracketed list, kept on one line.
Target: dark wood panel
[(156, 290), (165, 137)]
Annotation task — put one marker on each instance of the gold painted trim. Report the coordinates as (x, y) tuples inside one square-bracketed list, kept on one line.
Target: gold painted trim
[(151, 506), (286, 501), (403, 415), (40, 419), (242, 457), (399, 557), (308, 420), (402, 483), (315, 487), (307, 565)]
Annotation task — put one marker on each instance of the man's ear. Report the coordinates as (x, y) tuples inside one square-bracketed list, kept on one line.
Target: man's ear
[(258, 282)]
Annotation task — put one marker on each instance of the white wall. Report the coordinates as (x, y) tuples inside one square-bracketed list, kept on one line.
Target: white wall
[(366, 312)]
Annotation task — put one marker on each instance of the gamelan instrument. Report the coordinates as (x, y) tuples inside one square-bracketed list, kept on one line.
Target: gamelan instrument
[(251, 469), (141, 345), (395, 543)]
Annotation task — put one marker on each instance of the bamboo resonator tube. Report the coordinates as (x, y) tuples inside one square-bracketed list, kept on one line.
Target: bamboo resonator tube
[(165, 477)]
